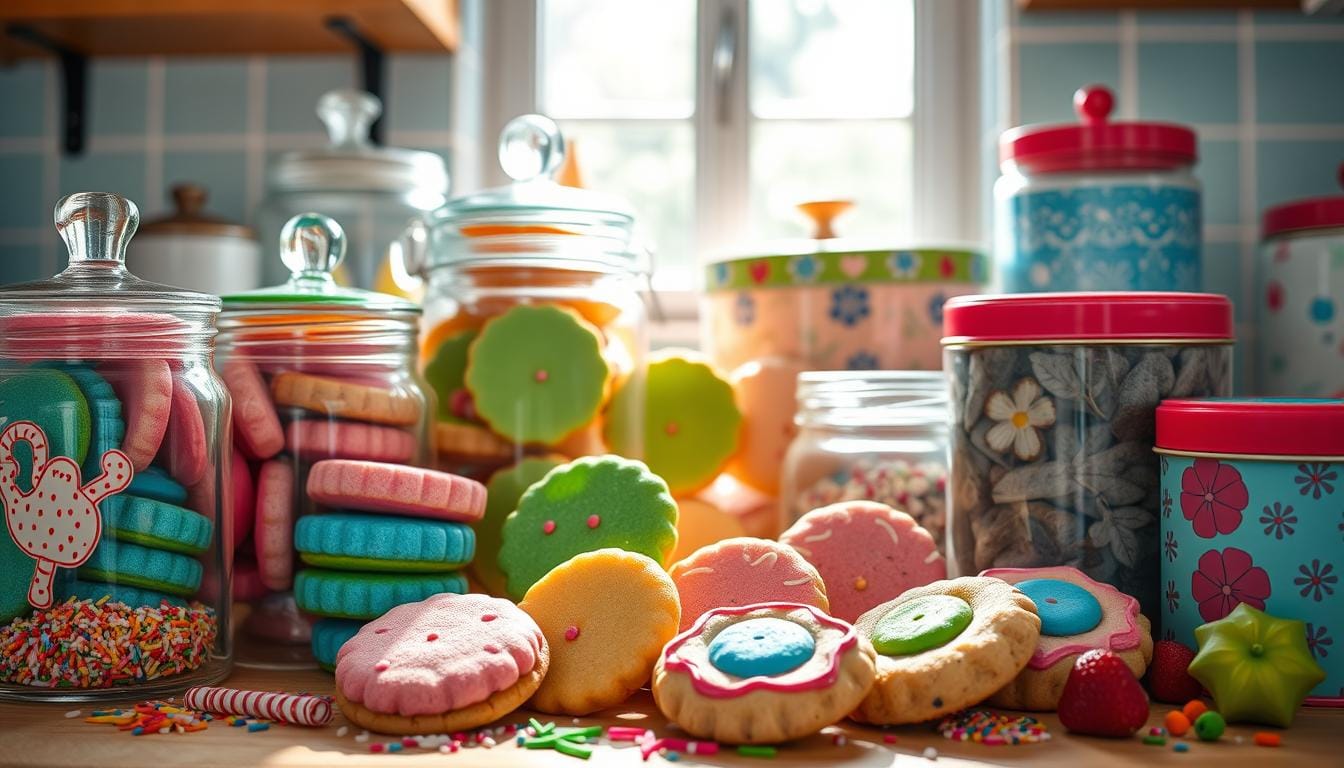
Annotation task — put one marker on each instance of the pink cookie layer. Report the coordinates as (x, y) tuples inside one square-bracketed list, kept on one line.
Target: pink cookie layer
[(255, 424), (247, 586), (244, 499), (273, 536), (743, 571), (438, 655), (186, 450), (316, 439), (145, 389), (867, 553), (371, 486)]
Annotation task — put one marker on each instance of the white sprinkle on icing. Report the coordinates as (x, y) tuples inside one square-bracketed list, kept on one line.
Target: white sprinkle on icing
[(798, 582), (771, 556), (694, 571), (886, 526), (934, 555), (824, 535), (804, 551)]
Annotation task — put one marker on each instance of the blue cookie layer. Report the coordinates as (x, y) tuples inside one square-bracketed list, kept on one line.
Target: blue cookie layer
[(154, 483), (120, 562), (107, 429), (156, 524), (328, 637), (350, 595), (1065, 608), (383, 542), (121, 593), (763, 647)]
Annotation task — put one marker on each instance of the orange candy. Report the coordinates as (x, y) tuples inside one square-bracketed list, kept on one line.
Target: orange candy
[(1177, 723), (1266, 739), (1193, 709)]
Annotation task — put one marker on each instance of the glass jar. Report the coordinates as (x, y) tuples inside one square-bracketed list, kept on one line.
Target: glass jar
[(875, 435), (373, 191), (1301, 298), (535, 334), (114, 448), (317, 372), (1097, 205), (1053, 398)]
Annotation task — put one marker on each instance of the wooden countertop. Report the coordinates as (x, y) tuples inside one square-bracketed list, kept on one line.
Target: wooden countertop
[(40, 735)]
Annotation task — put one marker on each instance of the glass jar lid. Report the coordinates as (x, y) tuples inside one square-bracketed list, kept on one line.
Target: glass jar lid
[(872, 399), (1301, 215), (350, 162), (312, 246), (189, 217), (1097, 143)]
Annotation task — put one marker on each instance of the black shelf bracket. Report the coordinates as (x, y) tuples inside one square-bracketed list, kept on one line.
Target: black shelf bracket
[(371, 60), (74, 86)]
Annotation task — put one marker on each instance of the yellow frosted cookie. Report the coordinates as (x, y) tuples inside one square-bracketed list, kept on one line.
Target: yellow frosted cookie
[(606, 616), (346, 399)]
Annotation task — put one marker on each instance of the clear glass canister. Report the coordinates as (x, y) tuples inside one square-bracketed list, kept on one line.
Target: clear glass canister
[(1053, 403), (875, 435), (373, 191), (317, 372), (535, 333), (1097, 205), (114, 447)]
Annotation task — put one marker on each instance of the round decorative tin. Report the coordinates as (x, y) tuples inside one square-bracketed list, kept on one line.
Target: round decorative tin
[(1253, 512)]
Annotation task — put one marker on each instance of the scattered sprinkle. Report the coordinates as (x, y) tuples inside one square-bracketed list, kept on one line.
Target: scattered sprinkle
[(1209, 726), (1177, 723), (258, 726), (756, 750), (362, 737), (73, 714), (1155, 741), (1193, 709), (1181, 746), (839, 740), (340, 732), (889, 738), (991, 729), (930, 753), (1156, 731), (1267, 739), (152, 717)]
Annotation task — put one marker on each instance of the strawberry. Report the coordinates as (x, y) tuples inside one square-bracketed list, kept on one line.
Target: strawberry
[(1168, 679), (1102, 698)]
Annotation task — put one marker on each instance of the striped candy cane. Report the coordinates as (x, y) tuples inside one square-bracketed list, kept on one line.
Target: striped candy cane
[(299, 709)]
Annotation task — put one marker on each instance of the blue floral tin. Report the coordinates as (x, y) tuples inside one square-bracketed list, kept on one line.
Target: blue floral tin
[(1253, 512)]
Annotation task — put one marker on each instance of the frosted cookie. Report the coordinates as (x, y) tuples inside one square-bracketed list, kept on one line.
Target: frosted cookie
[(446, 371), (327, 638), (448, 663), (691, 422), (156, 524), (867, 553), (765, 393), (744, 571), (118, 562), (1077, 614), (760, 674), (273, 534), (351, 541), (355, 595), (314, 440), (606, 616), (154, 483), (345, 399), (586, 505), (471, 443), (370, 486), (700, 524), (145, 388), (256, 427), (244, 499), (185, 451), (503, 490), (944, 647)]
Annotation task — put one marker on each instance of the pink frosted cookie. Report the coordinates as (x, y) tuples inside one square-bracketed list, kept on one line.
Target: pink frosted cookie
[(186, 449), (273, 535), (369, 486), (145, 389), (1077, 614), (313, 440), (445, 664), (256, 428), (744, 571), (867, 553), (247, 586), (764, 390), (244, 499)]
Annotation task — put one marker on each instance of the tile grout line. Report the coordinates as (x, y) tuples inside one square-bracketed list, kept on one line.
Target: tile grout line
[(1129, 66), (1246, 86), (154, 123), (51, 165), (1111, 33), (254, 139)]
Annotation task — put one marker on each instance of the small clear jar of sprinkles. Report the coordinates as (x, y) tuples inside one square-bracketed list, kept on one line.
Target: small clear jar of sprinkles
[(113, 429)]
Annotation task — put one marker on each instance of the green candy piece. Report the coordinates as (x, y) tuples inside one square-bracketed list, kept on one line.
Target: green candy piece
[(536, 374), (503, 491), (921, 624), (1210, 726), (446, 372), (54, 402)]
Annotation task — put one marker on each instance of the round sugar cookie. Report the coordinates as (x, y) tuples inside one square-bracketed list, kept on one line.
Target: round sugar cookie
[(445, 664), (370, 486), (153, 483), (314, 440), (765, 391), (944, 647), (700, 524), (346, 399), (691, 423), (121, 562), (273, 534), (866, 552), (761, 674), (351, 541), (585, 505), (446, 372), (52, 400), (355, 595), (328, 637), (145, 388), (244, 499), (536, 373), (606, 616), (121, 593), (256, 426), (471, 443), (744, 571), (1077, 615), (185, 450), (156, 524), (503, 490)]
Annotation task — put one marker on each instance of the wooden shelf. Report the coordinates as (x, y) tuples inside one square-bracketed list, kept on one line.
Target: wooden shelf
[(226, 27)]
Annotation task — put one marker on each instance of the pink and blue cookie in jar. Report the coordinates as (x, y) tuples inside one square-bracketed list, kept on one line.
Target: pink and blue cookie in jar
[(1253, 513)]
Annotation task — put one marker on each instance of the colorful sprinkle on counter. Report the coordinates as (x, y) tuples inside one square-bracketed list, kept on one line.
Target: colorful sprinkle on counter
[(88, 644), (984, 727), (152, 717)]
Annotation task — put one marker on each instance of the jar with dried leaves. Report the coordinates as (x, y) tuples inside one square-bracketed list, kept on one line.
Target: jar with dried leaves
[(1053, 403)]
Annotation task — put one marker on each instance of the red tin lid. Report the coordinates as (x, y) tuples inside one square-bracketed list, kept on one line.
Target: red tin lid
[(1253, 426), (1072, 317), (1095, 143), (1311, 213)]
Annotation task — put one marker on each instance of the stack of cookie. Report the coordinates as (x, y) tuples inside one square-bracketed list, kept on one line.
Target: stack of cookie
[(384, 535)]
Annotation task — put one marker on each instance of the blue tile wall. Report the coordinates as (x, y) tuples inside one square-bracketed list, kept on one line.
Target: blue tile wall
[(117, 97), (24, 87), (227, 172), (1306, 77), (1294, 169), (1195, 81), (207, 96), (21, 201), (1219, 172), (289, 80), (1049, 73)]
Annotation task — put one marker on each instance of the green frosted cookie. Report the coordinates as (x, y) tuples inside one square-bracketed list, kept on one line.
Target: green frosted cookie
[(52, 400), (351, 595), (351, 541), (503, 491), (536, 374), (691, 423), (156, 524), (106, 428), (121, 593), (588, 504), (120, 562), (446, 373), (328, 637)]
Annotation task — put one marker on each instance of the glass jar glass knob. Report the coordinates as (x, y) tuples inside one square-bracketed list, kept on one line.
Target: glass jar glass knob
[(531, 147), (96, 226), (312, 246), (348, 115)]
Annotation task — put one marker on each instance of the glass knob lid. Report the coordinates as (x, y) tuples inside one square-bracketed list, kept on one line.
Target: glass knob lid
[(531, 147), (96, 226), (348, 115), (312, 246)]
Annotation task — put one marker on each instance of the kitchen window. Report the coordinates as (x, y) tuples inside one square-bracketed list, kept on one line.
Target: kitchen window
[(716, 117)]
